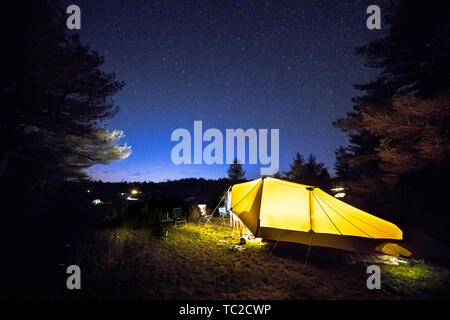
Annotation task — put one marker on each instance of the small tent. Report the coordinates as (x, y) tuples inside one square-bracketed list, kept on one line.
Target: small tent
[(285, 211), (96, 202)]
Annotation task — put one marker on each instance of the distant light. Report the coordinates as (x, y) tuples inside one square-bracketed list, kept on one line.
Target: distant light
[(134, 191), (88, 190), (339, 195), (338, 189), (97, 202), (130, 198)]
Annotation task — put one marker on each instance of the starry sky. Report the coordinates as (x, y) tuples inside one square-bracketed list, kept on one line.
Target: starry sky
[(231, 64)]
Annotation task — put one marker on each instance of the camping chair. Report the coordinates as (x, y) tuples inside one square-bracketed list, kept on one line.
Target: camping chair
[(223, 213), (205, 213), (160, 228), (179, 217)]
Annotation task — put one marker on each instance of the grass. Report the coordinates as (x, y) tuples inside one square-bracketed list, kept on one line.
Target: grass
[(196, 262), (418, 280)]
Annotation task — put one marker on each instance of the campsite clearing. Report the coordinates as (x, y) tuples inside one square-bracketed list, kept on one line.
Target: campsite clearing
[(196, 262)]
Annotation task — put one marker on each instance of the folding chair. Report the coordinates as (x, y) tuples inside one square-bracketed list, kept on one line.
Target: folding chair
[(223, 213), (179, 217), (205, 213), (159, 227)]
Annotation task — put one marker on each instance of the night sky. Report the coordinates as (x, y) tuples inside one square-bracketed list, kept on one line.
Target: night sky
[(231, 64)]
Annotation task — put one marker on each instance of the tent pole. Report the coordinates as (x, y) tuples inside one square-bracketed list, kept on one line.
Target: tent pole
[(274, 247), (310, 189), (309, 249), (220, 201)]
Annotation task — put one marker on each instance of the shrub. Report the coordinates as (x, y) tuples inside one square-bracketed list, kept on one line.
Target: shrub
[(193, 213)]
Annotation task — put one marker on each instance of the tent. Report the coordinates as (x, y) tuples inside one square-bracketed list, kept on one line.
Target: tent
[(279, 210), (96, 202)]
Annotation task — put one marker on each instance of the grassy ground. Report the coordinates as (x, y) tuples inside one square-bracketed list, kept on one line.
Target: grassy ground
[(196, 262)]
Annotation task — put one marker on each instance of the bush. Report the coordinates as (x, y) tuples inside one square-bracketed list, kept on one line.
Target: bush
[(145, 215), (193, 213)]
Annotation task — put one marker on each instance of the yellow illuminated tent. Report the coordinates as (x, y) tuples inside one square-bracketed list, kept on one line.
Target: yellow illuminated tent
[(285, 211)]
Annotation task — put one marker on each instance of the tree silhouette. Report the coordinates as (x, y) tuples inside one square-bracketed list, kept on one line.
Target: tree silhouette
[(277, 175), (55, 98), (310, 172), (235, 172), (343, 166), (413, 134), (315, 173), (297, 169), (412, 60)]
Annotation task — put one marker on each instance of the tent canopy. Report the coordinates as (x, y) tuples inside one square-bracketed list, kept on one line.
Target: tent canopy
[(280, 210)]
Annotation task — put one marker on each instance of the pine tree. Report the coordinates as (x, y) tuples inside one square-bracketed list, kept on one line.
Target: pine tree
[(315, 173), (413, 59), (413, 134), (343, 166), (235, 172), (55, 98), (277, 175), (310, 172), (297, 169)]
